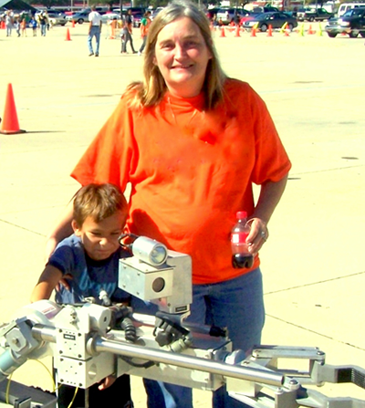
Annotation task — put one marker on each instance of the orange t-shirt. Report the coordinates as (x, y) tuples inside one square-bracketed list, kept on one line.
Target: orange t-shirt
[(190, 170)]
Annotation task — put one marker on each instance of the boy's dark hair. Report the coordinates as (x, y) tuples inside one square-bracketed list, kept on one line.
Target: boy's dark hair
[(98, 201)]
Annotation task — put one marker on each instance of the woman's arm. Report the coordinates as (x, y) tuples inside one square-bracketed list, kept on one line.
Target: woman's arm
[(61, 230), (270, 195)]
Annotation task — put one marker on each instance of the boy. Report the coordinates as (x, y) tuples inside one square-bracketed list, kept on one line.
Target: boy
[(89, 260)]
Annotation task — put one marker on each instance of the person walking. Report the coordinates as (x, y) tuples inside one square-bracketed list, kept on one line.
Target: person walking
[(9, 23), (95, 24), (126, 33), (145, 25), (42, 18)]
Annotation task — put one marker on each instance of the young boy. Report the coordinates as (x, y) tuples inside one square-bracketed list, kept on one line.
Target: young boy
[(89, 260)]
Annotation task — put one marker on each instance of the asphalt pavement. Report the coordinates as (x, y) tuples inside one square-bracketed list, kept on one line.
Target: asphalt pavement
[(314, 260)]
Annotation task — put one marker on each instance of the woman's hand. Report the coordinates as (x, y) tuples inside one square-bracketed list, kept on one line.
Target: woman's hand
[(258, 235)]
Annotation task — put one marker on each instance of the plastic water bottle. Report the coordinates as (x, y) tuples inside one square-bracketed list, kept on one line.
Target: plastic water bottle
[(241, 257)]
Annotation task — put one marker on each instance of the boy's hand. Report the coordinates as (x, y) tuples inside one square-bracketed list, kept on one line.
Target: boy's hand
[(107, 382), (64, 282)]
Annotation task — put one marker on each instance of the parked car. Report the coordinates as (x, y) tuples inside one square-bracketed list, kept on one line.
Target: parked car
[(155, 12), (228, 14), (344, 7), (83, 15), (80, 16), (318, 14), (275, 19), (110, 16), (351, 23), (56, 17)]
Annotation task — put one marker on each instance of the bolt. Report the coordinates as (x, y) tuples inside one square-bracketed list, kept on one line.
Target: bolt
[(15, 341)]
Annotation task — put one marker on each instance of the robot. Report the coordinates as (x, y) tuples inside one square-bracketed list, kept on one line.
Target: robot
[(90, 342)]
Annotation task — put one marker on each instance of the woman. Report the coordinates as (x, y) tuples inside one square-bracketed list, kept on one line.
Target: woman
[(192, 142)]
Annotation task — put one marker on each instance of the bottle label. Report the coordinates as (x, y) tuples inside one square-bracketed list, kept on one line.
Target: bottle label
[(239, 237)]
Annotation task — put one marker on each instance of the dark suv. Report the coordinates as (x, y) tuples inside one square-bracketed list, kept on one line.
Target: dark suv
[(351, 23)]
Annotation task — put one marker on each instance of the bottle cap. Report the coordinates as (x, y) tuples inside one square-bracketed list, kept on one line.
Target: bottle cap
[(241, 214)]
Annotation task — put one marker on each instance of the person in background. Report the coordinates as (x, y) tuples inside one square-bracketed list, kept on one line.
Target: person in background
[(9, 20), (145, 25), (17, 25), (43, 21), (23, 27), (192, 142), (89, 258), (33, 23), (95, 24), (126, 33)]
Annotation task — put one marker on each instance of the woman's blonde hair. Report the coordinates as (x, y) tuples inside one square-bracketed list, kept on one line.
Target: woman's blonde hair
[(150, 92)]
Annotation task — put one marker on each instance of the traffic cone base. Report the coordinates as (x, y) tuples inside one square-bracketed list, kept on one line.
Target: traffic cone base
[(9, 123)]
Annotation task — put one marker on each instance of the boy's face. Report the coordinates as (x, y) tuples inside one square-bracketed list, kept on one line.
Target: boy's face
[(100, 239)]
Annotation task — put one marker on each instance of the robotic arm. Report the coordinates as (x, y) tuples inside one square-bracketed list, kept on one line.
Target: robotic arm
[(86, 348)]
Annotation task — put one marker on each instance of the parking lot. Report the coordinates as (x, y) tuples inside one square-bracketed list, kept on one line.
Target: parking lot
[(314, 262)]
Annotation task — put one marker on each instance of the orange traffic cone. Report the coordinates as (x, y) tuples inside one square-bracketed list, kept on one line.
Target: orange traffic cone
[(286, 32), (10, 124), (237, 32), (253, 31), (68, 36), (269, 32), (223, 34), (310, 31), (73, 23)]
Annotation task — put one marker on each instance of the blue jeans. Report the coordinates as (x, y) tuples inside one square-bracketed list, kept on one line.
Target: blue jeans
[(94, 32), (236, 304)]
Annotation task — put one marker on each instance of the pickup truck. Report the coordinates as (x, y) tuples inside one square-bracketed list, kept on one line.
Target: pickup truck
[(318, 14)]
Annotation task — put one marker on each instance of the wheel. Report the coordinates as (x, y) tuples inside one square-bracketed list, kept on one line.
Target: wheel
[(263, 28), (362, 33), (80, 20), (354, 33), (332, 35), (290, 26), (311, 19)]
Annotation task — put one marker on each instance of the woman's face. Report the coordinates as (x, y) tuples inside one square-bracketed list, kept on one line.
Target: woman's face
[(182, 56)]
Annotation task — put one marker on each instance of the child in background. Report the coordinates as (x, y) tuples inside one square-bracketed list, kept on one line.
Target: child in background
[(89, 260), (23, 27), (33, 23)]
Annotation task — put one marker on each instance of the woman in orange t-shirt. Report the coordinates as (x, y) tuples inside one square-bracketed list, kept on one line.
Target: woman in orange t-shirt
[(192, 142)]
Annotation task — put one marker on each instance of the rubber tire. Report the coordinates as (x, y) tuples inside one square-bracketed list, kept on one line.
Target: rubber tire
[(263, 28), (354, 34), (332, 35), (80, 20), (290, 27)]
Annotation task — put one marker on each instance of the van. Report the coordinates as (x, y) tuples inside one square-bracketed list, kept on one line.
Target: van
[(348, 6)]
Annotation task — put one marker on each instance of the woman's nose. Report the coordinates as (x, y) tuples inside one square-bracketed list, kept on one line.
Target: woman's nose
[(179, 51)]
